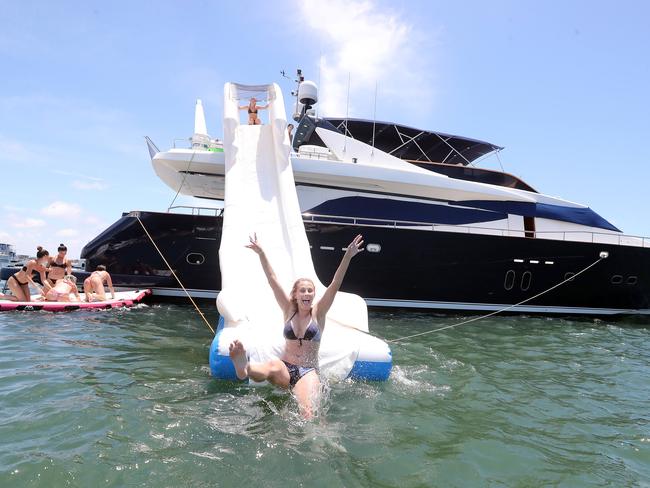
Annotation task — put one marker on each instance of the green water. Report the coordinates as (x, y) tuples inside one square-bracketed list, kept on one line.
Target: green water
[(124, 398)]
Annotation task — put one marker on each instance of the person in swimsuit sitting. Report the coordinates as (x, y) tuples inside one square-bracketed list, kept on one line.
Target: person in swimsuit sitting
[(62, 289), (95, 284), (304, 323), (252, 107), (19, 282), (59, 265)]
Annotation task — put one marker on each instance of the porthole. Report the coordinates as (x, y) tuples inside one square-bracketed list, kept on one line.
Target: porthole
[(373, 247), (195, 258), (616, 280), (631, 280), (509, 280), (525, 280), (569, 275)]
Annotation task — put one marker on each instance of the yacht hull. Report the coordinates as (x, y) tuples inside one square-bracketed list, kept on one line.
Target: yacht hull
[(403, 267)]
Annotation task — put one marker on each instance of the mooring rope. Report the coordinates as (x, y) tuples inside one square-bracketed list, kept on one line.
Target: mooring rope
[(475, 319), (174, 274)]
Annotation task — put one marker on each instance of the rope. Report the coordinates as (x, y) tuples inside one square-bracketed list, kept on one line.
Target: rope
[(182, 182), (170, 269), (475, 319)]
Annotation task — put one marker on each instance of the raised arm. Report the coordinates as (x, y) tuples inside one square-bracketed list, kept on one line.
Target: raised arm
[(280, 295), (324, 304)]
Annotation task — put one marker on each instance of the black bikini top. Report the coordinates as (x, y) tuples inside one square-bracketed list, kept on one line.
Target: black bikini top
[(312, 333), (252, 111), (56, 265)]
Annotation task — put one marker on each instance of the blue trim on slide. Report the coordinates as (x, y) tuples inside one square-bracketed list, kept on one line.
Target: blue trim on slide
[(221, 366), (370, 370)]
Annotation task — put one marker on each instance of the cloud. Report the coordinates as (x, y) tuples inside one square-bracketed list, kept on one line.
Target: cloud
[(62, 209), (89, 185), (67, 233), (28, 223), (371, 46)]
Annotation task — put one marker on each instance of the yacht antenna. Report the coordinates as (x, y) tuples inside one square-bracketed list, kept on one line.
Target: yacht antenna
[(347, 113), (499, 159), (374, 121), (320, 62)]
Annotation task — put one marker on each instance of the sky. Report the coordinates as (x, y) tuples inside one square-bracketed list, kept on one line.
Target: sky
[(562, 85)]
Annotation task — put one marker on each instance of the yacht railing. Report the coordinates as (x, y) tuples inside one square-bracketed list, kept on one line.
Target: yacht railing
[(206, 211), (564, 235)]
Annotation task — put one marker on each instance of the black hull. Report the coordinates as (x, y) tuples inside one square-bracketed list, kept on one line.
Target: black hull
[(414, 268)]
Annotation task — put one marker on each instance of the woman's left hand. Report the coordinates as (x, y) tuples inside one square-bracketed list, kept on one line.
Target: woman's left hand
[(355, 246)]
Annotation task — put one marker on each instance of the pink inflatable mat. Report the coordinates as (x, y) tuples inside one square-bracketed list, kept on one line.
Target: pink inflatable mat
[(122, 299)]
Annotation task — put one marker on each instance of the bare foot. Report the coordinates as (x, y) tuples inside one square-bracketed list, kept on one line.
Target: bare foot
[(239, 359)]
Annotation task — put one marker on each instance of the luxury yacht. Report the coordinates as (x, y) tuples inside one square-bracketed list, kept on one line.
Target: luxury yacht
[(441, 232)]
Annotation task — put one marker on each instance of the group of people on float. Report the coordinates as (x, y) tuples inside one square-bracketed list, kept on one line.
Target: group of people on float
[(57, 282)]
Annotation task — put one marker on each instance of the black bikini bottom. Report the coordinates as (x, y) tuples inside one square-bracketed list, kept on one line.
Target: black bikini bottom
[(296, 372), (17, 280)]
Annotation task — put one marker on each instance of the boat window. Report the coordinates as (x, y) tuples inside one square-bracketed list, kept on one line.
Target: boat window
[(509, 280), (373, 248), (569, 276), (525, 280), (195, 258), (632, 280), (529, 226), (616, 280)]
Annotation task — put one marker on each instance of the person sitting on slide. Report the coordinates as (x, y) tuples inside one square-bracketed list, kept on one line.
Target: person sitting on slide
[(62, 289), (19, 282), (95, 284), (59, 265), (252, 107), (304, 323)]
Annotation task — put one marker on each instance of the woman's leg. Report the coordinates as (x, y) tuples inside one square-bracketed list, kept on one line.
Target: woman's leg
[(275, 372), (17, 290), (307, 391), (88, 289)]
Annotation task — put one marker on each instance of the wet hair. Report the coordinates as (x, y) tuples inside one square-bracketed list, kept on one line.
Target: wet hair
[(294, 289), (72, 278), (40, 252), (100, 267), (62, 247)]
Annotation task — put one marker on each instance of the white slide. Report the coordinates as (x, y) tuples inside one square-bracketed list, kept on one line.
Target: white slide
[(260, 197)]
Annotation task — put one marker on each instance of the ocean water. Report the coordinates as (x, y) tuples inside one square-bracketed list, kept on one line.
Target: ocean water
[(124, 398)]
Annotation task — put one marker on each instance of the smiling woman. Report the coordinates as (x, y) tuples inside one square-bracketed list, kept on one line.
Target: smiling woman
[(297, 369)]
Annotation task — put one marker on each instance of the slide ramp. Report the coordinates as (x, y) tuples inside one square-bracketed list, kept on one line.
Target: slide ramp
[(260, 197)]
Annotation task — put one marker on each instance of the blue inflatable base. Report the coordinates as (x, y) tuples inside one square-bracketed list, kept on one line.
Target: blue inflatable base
[(221, 366)]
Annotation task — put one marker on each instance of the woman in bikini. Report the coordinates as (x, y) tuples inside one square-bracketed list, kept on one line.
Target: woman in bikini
[(95, 284), (59, 265), (19, 282), (304, 322), (252, 107), (62, 289)]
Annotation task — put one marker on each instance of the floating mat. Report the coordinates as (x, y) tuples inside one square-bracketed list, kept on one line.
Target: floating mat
[(122, 299)]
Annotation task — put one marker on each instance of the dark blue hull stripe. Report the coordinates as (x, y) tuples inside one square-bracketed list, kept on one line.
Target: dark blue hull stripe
[(471, 212)]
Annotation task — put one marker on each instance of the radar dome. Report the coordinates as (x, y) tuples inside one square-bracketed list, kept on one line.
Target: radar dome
[(308, 93)]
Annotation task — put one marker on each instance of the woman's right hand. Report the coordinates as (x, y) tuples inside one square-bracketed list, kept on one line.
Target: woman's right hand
[(254, 244)]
